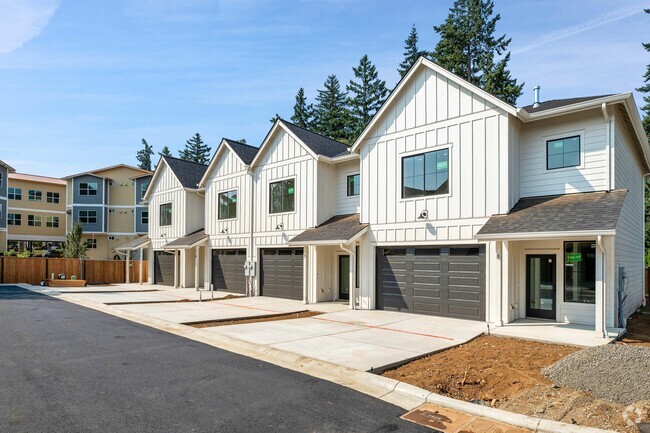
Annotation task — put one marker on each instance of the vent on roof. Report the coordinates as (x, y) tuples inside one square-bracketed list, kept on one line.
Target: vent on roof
[(536, 90)]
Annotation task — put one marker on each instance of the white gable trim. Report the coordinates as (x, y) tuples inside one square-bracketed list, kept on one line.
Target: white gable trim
[(278, 124), (215, 159), (423, 62), (156, 175)]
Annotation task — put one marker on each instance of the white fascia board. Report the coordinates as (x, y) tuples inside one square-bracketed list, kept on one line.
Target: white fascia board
[(338, 159), (213, 162), (544, 235), (186, 247), (267, 140), (154, 178), (332, 241), (526, 117)]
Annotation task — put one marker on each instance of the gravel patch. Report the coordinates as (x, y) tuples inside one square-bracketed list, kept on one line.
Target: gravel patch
[(613, 372)]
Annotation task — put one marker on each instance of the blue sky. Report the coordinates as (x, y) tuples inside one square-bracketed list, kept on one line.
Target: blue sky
[(83, 81)]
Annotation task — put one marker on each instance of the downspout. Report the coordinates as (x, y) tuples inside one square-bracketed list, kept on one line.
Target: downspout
[(599, 241), (251, 246), (353, 293)]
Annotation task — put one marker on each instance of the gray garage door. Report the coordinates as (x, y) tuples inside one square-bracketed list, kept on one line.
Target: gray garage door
[(441, 281), (163, 268), (228, 270), (282, 272)]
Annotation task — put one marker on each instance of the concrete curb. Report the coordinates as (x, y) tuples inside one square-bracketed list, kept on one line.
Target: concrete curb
[(392, 391)]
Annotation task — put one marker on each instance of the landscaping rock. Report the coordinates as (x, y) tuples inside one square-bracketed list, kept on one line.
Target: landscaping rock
[(613, 372)]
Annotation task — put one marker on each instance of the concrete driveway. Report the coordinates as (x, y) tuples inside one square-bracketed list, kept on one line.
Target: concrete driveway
[(97, 294), (361, 339)]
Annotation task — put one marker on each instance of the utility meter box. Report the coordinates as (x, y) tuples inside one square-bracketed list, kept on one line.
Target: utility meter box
[(249, 268)]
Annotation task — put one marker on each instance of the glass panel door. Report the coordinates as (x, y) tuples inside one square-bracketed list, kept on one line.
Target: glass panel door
[(540, 286), (344, 277)]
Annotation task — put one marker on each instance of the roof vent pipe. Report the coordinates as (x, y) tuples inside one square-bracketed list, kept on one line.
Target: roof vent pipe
[(536, 90)]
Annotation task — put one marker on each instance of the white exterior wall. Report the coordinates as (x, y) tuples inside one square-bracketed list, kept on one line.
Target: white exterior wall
[(591, 175), (346, 205), (629, 242), (326, 206), (166, 189)]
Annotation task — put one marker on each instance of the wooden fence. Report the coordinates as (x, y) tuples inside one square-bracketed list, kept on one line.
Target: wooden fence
[(33, 270)]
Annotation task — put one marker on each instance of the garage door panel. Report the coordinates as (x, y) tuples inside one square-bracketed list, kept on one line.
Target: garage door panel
[(282, 273), (445, 281), (163, 268), (228, 270)]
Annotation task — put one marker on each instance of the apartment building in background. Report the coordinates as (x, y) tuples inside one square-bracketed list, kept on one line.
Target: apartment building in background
[(5, 169)]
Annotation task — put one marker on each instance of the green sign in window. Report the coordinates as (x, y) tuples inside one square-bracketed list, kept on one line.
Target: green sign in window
[(573, 257), (289, 190)]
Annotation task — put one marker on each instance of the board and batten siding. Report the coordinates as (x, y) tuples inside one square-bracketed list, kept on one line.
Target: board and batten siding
[(230, 173), (629, 242), (345, 204), (591, 175), (433, 113), (166, 189), (284, 158)]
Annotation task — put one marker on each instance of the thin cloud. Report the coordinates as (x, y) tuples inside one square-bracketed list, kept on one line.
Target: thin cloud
[(23, 20), (602, 20)]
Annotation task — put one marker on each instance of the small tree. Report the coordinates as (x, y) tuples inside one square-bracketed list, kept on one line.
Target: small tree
[(144, 156), (195, 150), (275, 118), (75, 247), (411, 52), (303, 113)]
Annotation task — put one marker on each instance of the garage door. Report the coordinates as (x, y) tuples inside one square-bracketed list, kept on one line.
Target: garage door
[(441, 281), (228, 270), (163, 268), (282, 271)]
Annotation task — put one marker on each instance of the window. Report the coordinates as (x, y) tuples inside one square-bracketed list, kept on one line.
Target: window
[(143, 189), (52, 221), (15, 194), (91, 244), (88, 188), (14, 219), (1, 180), (52, 197), (144, 217), (34, 220), (166, 214), (282, 196), (88, 216), (425, 174), (354, 185), (33, 195), (564, 152), (357, 253), (580, 272), (228, 205), (1, 210)]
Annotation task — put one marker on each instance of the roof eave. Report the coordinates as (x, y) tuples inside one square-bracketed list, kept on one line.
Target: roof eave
[(543, 235), (525, 116), (331, 241)]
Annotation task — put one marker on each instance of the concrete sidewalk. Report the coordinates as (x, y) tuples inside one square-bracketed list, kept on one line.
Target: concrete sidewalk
[(131, 296)]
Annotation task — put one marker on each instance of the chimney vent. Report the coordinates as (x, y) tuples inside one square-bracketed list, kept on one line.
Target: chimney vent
[(536, 90)]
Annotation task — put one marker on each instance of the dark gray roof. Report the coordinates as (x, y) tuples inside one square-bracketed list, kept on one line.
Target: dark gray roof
[(589, 211), (9, 168), (187, 241), (245, 152), (134, 244), (188, 173), (338, 229), (319, 144), (557, 103)]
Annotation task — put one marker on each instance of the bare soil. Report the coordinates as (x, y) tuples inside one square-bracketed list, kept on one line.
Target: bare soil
[(505, 373), (223, 298), (638, 329), (288, 316)]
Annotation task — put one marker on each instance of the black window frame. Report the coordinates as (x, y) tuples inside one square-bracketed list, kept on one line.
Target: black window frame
[(52, 222), (91, 244), (582, 271), (13, 218), (230, 195), (143, 188), (548, 142), (87, 218), (426, 192), (356, 186), (35, 196), (14, 193), (168, 214), (52, 197), (143, 215), (283, 196), (34, 220), (87, 190)]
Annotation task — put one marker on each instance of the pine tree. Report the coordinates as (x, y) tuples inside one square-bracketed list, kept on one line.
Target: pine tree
[(275, 118), (411, 52), (645, 89), (195, 150), (75, 247), (144, 156), (303, 113), (367, 95), (242, 140), (165, 152), (468, 48), (332, 117)]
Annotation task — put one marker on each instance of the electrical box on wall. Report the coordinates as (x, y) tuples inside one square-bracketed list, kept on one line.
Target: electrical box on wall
[(249, 268)]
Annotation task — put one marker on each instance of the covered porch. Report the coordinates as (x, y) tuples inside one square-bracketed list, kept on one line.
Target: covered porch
[(189, 259), (331, 260), (552, 268), (135, 249)]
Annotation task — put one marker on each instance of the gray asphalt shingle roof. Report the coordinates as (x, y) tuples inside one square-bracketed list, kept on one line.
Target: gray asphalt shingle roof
[(135, 243), (187, 241), (590, 211), (319, 144), (245, 152), (338, 228), (189, 173), (557, 103)]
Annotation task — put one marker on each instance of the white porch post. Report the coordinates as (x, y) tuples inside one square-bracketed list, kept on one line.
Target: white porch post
[(141, 264), (353, 273), (128, 263), (305, 276), (506, 300), (175, 269), (197, 265), (207, 268), (600, 288)]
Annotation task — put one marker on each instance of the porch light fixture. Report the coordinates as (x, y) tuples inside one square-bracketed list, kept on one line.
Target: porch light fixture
[(224, 230), (279, 226), (423, 215)]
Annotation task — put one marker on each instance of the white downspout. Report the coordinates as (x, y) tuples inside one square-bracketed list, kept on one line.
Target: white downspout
[(353, 261), (251, 247), (603, 298)]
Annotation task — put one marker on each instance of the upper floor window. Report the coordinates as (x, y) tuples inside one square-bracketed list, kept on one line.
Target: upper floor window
[(425, 174), (564, 152), (34, 220), (144, 217), (88, 188), (1, 180), (228, 205), (14, 219), (166, 214), (143, 188), (88, 216), (15, 194), (52, 221), (282, 196), (53, 197), (34, 195), (354, 184), (91, 244)]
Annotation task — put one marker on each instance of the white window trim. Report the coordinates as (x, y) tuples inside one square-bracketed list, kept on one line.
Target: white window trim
[(403, 155)]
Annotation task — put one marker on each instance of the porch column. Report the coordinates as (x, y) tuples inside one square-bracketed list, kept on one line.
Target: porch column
[(506, 299), (141, 264), (128, 263), (600, 288), (207, 270), (353, 274), (175, 269), (197, 265), (305, 276)]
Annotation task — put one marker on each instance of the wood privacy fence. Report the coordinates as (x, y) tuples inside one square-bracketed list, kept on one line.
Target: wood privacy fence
[(33, 270)]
